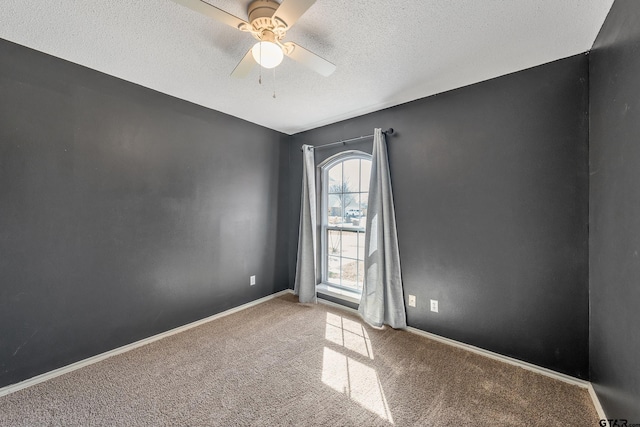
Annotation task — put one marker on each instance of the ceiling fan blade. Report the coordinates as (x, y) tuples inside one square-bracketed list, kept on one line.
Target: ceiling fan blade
[(213, 12), (290, 10), (310, 59), (244, 67)]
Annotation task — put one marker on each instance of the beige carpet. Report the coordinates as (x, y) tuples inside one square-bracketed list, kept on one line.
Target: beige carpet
[(282, 363)]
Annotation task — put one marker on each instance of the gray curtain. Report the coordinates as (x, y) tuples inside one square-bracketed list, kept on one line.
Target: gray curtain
[(305, 284), (382, 299)]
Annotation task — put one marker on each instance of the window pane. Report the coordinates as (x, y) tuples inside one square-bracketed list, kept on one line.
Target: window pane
[(365, 173), (351, 175), (334, 209), (361, 246), (335, 179), (333, 270), (350, 244), (352, 212), (351, 203), (333, 243), (349, 273), (351, 206)]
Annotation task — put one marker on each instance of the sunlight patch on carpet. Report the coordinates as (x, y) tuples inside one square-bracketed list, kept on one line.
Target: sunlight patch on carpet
[(348, 334), (349, 376)]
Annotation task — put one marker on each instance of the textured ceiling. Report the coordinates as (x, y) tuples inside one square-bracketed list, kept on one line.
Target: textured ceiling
[(386, 52)]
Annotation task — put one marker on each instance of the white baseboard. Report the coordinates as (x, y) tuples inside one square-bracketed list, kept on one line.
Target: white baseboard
[(596, 403), (506, 359), (529, 366), (97, 358)]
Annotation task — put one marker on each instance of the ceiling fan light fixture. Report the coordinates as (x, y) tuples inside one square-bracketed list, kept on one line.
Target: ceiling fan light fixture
[(267, 54)]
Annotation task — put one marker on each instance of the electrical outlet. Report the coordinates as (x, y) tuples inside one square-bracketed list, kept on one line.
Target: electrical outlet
[(252, 280), (412, 300), (434, 305)]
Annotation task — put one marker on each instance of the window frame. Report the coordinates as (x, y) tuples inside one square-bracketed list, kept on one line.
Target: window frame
[(324, 167)]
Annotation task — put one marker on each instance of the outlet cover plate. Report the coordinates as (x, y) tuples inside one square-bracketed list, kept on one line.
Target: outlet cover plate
[(434, 305), (412, 300), (252, 280)]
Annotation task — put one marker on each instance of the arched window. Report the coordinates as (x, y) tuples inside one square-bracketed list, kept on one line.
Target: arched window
[(345, 191)]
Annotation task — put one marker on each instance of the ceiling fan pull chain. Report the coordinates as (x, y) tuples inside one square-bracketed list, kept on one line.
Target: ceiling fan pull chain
[(274, 83)]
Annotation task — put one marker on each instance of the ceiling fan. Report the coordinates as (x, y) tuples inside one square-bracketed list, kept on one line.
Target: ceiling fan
[(268, 23)]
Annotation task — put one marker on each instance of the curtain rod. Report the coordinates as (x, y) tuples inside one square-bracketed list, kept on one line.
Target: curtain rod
[(389, 131)]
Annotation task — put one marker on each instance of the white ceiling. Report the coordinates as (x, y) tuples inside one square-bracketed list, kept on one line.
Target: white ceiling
[(386, 52)]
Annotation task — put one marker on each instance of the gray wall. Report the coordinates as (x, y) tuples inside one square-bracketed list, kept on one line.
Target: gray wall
[(124, 212), (614, 242), (491, 190)]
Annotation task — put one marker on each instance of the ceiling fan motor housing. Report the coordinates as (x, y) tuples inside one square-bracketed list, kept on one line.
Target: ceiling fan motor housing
[(260, 14)]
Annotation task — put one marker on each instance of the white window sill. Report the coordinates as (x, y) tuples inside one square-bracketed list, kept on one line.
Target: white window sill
[(340, 293)]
